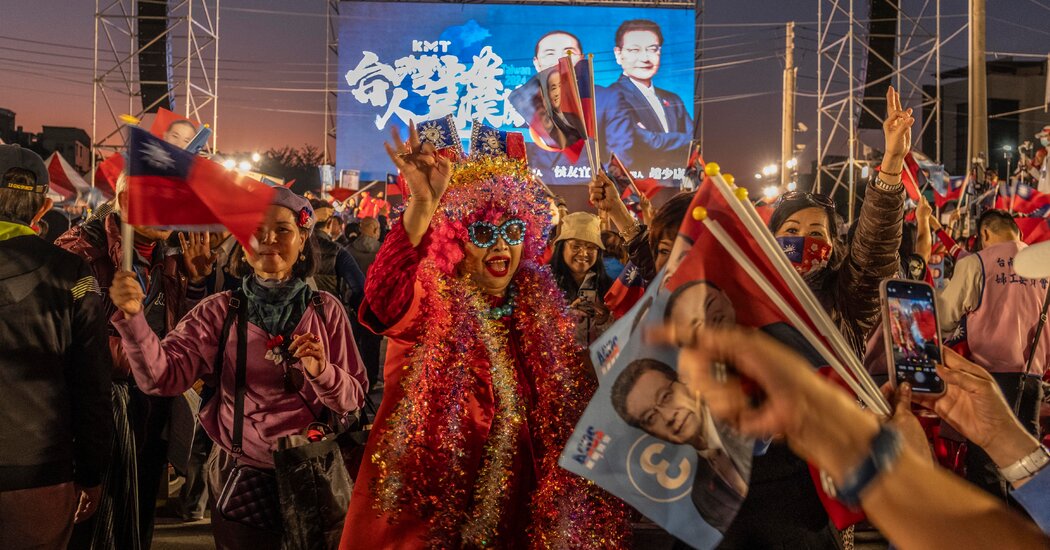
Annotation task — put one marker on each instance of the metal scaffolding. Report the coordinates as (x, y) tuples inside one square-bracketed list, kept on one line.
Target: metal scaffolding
[(331, 86), (842, 38), (193, 77)]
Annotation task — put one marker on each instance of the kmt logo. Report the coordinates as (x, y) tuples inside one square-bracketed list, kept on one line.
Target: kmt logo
[(659, 471), (591, 448)]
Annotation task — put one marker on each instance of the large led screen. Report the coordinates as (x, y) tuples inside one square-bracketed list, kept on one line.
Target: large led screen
[(419, 61)]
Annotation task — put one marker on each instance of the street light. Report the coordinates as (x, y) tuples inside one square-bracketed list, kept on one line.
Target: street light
[(758, 176), (792, 186), (769, 170), (256, 157), (791, 164), (229, 164), (770, 192), (244, 166)]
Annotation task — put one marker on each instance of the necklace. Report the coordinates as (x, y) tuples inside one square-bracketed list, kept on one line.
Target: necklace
[(505, 310)]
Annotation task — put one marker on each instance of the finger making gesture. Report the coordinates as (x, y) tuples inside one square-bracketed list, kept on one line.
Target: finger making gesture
[(427, 175), (897, 132)]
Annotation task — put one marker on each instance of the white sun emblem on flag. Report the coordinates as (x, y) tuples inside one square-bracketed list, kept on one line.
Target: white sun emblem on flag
[(157, 156), (789, 249), (431, 132)]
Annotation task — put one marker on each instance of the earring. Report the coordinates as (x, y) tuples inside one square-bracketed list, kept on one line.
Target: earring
[(302, 256)]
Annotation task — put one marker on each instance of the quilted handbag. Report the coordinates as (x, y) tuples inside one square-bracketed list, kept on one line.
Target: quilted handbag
[(249, 497)]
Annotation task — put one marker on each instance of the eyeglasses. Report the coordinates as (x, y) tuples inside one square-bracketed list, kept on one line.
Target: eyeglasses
[(484, 234), (816, 198)]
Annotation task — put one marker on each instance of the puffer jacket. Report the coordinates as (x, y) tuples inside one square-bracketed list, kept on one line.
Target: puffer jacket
[(99, 243), (850, 294)]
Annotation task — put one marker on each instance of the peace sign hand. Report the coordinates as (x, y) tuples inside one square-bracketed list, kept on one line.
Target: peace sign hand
[(897, 131), (426, 172)]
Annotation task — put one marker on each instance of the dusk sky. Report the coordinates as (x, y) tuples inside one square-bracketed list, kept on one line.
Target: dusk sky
[(46, 49)]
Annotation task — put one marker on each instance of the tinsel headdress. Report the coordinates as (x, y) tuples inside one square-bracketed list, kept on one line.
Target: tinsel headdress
[(492, 189)]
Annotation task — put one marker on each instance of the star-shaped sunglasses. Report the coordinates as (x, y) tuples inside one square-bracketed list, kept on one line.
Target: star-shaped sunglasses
[(484, 234)]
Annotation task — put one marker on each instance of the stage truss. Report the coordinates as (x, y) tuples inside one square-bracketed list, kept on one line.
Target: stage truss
[(193, 27), (842, 44)]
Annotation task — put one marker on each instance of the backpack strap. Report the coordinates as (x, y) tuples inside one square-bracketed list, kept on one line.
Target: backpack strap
[(237, 300)]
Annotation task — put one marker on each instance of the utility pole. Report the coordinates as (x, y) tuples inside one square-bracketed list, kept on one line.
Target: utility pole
[(977, 138), (787, 125)]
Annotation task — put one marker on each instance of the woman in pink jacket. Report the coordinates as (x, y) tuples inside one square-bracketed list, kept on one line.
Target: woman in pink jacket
[(299, 358)]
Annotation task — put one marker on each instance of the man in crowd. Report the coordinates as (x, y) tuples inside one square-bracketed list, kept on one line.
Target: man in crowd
[(998, 312), (366, 245), (659, 125), (173, 283), (54, 372)]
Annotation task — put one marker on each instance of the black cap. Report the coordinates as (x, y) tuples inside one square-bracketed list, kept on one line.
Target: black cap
[(13, 156)]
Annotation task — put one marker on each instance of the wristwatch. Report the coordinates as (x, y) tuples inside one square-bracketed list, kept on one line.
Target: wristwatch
[(886, 448), (1027, 466)]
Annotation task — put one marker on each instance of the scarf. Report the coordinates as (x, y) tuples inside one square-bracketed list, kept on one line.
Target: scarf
[(275, 306)]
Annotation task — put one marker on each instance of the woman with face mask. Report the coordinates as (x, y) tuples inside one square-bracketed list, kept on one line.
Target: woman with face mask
[(782, 507), (845, 277), (484, 383)]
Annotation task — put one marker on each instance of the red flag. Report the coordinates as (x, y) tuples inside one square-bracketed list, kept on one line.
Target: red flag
[(169, 187), (64, 179), (164, 119), (107, 173), (625, 291), (1033, 230), (576, 101)]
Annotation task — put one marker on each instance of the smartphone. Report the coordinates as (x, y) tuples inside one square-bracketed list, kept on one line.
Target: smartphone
[(912, 334), (589, 288)]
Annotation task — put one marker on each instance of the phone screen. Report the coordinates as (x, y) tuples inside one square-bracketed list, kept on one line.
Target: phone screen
[(913, 335)]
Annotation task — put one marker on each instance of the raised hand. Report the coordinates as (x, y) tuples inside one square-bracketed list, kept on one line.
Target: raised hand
[(602, 193), (897, 131), (426, 173), (197, 255), (126, 293), (923, 210)]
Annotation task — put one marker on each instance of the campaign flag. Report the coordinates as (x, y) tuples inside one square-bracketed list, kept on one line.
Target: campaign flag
[(548, 127), (170, 187), (576, 100), (443, 135), (64, 179), (1029, 202), (486, 140), (625, 291), (164, 120), (937, 177), (912, 177), (1033, 230), (952, 194), (396, 186)]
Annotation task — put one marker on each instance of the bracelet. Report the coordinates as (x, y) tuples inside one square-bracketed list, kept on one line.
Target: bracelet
[(881, 171), (881, 185), (886, 448), (631, 232), (1027, 466)]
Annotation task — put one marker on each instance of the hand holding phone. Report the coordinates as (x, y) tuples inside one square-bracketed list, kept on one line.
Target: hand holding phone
[(912, 334)]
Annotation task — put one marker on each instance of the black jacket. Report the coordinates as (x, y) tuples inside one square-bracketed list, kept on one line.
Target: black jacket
[(55, 405)]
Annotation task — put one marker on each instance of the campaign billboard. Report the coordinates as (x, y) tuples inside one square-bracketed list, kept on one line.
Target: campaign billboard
[(401, 62)]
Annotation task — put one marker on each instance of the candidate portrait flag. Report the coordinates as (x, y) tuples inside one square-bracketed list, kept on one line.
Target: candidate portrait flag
[(169, 187), (547, 127), (576, 102)]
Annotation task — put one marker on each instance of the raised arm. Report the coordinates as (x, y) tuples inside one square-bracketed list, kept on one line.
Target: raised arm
[(873, 252), (171, 366)]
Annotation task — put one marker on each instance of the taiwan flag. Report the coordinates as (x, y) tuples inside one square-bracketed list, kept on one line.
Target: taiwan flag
[(489, 141), (625, 291), (576, 101), (170, 187)]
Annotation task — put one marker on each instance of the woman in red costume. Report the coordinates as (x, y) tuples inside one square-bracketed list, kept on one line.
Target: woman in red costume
[(484, 383)]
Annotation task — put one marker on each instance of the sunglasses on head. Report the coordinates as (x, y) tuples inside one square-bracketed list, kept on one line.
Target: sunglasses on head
[(816, 198), (484, 234)]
